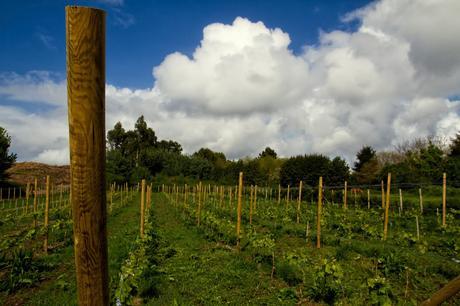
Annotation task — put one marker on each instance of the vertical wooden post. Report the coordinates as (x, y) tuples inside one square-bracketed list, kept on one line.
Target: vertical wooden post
[(238, 220), (345, 195), (47, 203), (27, 196), (85, 32), (255, 199), (250, 203), (287, 196), (387, 206), (368, 199), (298, 202), (444, 192), (35, 202), (400, 200), (318, 215), (185, 195), (141, 227)]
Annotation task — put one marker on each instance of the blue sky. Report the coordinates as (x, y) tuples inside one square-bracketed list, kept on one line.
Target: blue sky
[(236, 76), (141, 33)]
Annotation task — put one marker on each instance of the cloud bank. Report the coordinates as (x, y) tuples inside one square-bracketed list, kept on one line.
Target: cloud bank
[(243, 89)]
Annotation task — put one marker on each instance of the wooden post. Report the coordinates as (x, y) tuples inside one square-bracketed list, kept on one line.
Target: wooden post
[(420, 200), (287, 196), (417, 227), (47, 203), (85, 32), (35, 202), (383, 193), (250, 204), (141, 227), (387, 206), (298, 202), (318, 216), (27, 196), (444, 192), (443, 294), (238, 220), (345, 195), (400, 200), (368, 199), (255, 199)]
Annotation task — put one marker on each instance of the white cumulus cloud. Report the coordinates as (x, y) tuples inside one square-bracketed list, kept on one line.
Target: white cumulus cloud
[(243, 88)]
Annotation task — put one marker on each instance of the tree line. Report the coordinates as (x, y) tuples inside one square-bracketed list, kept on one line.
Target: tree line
[(138, 153)]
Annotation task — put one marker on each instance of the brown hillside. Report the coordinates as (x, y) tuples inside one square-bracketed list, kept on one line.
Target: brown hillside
[(22, 173)]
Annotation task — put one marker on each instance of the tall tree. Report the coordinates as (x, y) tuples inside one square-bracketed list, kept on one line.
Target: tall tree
[(268, 152), (7, 159), (366, 154), (455, 146), (116, 136)]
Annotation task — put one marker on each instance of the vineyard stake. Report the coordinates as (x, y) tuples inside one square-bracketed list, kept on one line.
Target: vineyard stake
[(444, 199), (47, 202), (35, 203), (255, 199), (238, 220), (298, 202), (287, 197), (85, 32), (142, 208), (250, 204), (387, 206), (368, 199), (400, 200), (318, 217), (418, 228), (27, 196)]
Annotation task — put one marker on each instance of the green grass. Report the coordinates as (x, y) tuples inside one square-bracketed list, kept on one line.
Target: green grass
[(58, 286), (203, 272)]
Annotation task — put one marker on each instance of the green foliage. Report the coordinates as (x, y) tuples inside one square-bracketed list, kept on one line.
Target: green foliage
[(327, 281), (309, 168), (268, 152), (365, 155), (379, 291), (6, 158)]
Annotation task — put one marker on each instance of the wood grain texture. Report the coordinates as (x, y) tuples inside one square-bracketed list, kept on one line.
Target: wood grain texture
[(85, 33)]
